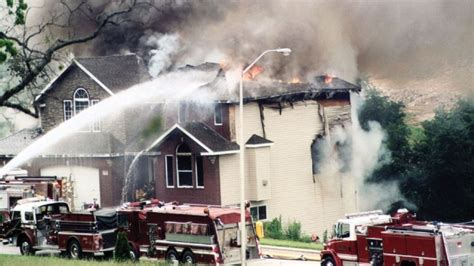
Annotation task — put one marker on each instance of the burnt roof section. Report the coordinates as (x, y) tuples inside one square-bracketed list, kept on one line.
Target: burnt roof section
[(203, 135), (256, 139), (117, 72), (319, 88), (15, 143)]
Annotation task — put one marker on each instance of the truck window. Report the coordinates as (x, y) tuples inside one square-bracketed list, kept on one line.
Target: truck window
[(343, 230), (63, 209), (29, 216), (15, 215)]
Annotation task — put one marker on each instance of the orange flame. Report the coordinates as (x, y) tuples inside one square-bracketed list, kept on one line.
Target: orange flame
[(328, 78), (253, 72), (295, 80)]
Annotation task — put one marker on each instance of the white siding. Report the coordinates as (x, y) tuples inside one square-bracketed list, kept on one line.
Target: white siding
[(294, 195)]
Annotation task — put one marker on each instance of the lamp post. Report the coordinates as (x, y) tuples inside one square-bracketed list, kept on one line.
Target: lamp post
[(243, 235)]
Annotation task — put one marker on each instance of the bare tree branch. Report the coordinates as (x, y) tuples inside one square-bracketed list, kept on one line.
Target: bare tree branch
[(36, 62)]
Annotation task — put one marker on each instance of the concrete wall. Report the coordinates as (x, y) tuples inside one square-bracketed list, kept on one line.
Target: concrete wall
[(317, 202)]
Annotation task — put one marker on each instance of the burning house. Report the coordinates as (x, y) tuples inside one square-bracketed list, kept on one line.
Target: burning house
[(194, 155)]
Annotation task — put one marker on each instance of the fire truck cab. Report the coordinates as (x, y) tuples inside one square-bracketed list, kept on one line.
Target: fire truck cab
[(372, 238), (36, 224)]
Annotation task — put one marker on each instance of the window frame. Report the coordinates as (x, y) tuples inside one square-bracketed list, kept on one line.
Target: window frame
[(197, 172), (184, 171), (74, 99), (218, 106), (168, 171), (258, 211), (71, 110), (97, 123)]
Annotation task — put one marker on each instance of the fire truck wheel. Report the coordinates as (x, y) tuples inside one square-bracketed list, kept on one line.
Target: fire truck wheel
[(328, 261), (25, 247), (108, 255), (171, 255), (134, 255), (188, 258), (74, 249)]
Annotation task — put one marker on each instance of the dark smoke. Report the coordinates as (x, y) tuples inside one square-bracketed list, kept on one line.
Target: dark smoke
[(392, 41)]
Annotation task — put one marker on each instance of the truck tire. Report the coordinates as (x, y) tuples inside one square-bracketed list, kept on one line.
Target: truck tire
[(74, 249), (134, 255), (171, 255), (188, 258), (25, 247), (328, 261), (108, 255)]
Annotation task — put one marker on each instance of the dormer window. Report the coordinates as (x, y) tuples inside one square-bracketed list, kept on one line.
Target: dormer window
[(81, 100)]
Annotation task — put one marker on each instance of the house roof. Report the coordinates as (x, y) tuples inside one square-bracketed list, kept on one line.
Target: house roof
[(117, 72), (15, 143), (113, 73), (80, 144), (212, 142), (318, 87), (256, 139), (86, 144)]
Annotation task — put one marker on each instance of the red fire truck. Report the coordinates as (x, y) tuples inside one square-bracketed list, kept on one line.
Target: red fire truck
[(187, 233), (373, 238), (48, 225)]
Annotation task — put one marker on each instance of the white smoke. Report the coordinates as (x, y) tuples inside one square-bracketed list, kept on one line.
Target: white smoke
[(165, 47), (354, 154)]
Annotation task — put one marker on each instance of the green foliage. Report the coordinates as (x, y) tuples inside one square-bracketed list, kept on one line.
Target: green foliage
[(291, 244), (391, 116), (325, 236), (153, 127), (122, 249), (293, 231), (442, 185), (274, 229), (7, 46)]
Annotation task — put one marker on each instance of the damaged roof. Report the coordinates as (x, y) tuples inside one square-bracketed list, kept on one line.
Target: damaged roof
[(12, 145), (319, 88), (206, 137)]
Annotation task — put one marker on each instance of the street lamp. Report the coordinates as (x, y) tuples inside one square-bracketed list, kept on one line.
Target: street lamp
[(243, 235)]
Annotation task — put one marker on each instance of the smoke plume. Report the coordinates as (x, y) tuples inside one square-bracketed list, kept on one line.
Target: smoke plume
[(393, 42)]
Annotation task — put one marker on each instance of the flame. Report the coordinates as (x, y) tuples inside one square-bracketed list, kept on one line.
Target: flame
[(328, 78), (253, 72), (295, 80)]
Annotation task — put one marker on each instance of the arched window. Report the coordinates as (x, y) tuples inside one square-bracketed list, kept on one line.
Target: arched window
[(184, 166), (81, 100)]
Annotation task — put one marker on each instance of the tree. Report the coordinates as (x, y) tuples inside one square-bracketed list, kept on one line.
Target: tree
[(30, 50), (391, 117), (122, 248), (442, 185)]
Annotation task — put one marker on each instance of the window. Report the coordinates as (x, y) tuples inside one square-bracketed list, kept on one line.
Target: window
[(184, 166), (199, 172), (81, 100), (169, 171), (218, 115), (258, 212), (67, 104), (97, 125), (28, 216)]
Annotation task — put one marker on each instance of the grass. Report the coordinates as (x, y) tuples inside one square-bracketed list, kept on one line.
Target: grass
[(290, 244), (57, 261)]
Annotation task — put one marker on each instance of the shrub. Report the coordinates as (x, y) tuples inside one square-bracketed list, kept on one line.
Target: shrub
[(306, 239), (325, 236), (274, 229), (293, 231), (122, 249)]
